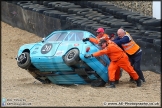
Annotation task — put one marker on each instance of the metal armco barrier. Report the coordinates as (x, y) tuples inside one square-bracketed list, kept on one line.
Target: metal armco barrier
[(30, 21)]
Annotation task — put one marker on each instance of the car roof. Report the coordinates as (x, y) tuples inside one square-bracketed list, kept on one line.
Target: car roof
[(70, 30)]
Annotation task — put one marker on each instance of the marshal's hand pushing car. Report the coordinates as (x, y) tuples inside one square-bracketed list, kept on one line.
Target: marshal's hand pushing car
[(88, 55), (85, 39)]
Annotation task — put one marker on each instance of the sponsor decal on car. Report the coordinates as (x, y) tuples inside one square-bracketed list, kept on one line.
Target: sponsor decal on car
[(76, 44), (64, 44), (59, 53), (34, 52), (36, 48)]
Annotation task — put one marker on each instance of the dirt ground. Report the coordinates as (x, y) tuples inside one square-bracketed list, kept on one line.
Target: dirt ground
[(20, 88)]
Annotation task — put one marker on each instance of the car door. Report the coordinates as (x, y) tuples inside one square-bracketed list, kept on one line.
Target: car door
[(72, 40)]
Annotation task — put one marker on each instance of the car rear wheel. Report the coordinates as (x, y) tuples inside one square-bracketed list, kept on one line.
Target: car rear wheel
[(23, 61), (71, 58)]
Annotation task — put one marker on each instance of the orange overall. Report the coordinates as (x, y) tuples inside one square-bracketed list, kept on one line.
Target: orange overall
[(119, 59), (97, 39)]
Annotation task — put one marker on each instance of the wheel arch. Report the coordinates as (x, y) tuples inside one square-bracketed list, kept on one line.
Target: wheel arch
[(26, 50), (22, 51)]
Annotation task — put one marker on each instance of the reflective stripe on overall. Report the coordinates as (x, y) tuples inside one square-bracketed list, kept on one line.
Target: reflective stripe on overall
[(131, 47)]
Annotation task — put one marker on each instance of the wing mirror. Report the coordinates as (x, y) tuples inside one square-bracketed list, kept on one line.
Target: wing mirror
[(43, 39)]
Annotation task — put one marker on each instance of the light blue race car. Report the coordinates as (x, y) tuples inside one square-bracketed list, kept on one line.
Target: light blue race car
[(59, 59)]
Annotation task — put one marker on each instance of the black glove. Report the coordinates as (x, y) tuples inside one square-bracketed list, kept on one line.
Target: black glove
[(85, 39), (88, 55)]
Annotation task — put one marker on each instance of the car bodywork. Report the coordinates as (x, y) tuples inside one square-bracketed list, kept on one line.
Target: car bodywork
[(59, 58)]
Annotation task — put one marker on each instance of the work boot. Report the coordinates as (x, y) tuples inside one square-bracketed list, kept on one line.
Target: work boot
[(116, 81), (143, 80), (139, 83), (132, 80), (112, 84)]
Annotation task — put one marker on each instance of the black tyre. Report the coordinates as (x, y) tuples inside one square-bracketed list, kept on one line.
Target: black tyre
[(71, 58), (113, 21), (45, 3), (23, 61), (66, 7), (98, 83), (119, 24), (157, 42), (23, 2), (152, 22)]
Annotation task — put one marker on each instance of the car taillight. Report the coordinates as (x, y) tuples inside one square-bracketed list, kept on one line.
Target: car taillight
[(87, 49)]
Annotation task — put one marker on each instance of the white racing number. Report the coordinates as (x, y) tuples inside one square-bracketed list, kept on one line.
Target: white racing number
[(46, 48)]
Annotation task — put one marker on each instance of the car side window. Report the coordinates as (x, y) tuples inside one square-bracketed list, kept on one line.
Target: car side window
[(74, 36), (62, 36), (91, 35), (57, 36)]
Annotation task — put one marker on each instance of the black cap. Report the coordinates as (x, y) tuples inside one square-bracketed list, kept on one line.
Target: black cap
[(101, 41)]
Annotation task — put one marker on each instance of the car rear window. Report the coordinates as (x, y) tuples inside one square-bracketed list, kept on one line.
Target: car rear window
[(74, 36), (57, 36)]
